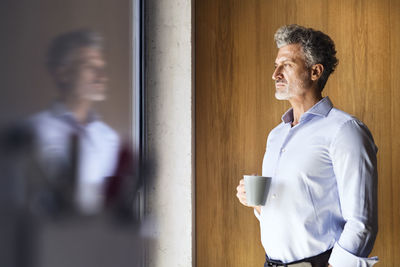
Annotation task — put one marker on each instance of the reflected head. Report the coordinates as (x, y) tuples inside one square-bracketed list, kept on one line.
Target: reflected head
[(62, 49)]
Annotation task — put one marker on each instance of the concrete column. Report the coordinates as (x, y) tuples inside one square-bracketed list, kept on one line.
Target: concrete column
[(170, 132)]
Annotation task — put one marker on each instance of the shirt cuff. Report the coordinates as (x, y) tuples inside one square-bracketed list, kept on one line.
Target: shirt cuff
[(256, 214), (342, 258)]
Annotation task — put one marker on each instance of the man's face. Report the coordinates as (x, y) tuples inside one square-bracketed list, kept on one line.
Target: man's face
[(85, 75), (292, 77)]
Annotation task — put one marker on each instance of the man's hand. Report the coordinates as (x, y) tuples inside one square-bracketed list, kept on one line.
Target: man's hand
[(241, 195)]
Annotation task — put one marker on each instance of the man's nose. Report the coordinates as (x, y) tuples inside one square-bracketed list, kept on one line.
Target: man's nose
[(277, 74)]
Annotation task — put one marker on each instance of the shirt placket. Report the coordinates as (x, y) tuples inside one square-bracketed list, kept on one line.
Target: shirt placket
[(289, 132), (282, 149)]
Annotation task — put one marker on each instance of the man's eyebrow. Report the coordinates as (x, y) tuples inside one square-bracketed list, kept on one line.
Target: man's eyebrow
[(283, 61)]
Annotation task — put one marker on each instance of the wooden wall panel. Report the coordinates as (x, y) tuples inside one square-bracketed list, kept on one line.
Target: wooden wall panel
[(392, 183), (236, 108)]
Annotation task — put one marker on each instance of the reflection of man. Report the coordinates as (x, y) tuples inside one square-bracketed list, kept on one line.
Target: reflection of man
[(70, 135), (321, 205)]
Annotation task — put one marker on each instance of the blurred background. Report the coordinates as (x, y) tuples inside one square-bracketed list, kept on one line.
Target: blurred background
[(27, 27), (110, 236)]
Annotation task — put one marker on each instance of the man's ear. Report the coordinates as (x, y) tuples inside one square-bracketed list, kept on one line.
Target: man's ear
[(60, 72), (62, 76), (316, 71)]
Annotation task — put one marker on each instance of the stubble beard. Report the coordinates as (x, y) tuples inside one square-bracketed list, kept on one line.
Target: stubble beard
[(95, 97), (283, 94), (94, 93)]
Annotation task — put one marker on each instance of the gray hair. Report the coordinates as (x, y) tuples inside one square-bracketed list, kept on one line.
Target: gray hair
[(318, 48), (63, 46)]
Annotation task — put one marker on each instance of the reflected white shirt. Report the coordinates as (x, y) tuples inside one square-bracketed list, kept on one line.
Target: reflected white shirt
[(323, 190), (98, 151)]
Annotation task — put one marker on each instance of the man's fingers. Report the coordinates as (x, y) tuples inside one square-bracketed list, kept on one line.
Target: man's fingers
[(240, 187), (241, 193)]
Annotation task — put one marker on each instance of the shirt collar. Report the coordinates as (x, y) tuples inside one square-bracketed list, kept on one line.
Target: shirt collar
[(322, 108), (60, 110)]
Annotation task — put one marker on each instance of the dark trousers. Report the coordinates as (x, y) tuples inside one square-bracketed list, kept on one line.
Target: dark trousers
[(320, 260)]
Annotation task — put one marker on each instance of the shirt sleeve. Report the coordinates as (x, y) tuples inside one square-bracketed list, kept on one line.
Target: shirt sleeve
[(341, 257), (354, 162)]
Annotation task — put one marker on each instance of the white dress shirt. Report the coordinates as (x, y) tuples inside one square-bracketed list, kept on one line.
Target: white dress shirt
[(97, 152), (323, 190)]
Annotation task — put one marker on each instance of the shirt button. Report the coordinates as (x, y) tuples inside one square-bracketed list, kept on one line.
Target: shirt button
[(283, 150), (273, 196)]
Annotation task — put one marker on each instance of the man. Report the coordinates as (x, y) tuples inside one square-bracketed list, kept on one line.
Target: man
[(321, 208), (76, 150)]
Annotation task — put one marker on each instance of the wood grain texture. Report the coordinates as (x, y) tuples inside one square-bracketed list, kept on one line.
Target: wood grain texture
[(236, 109)]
